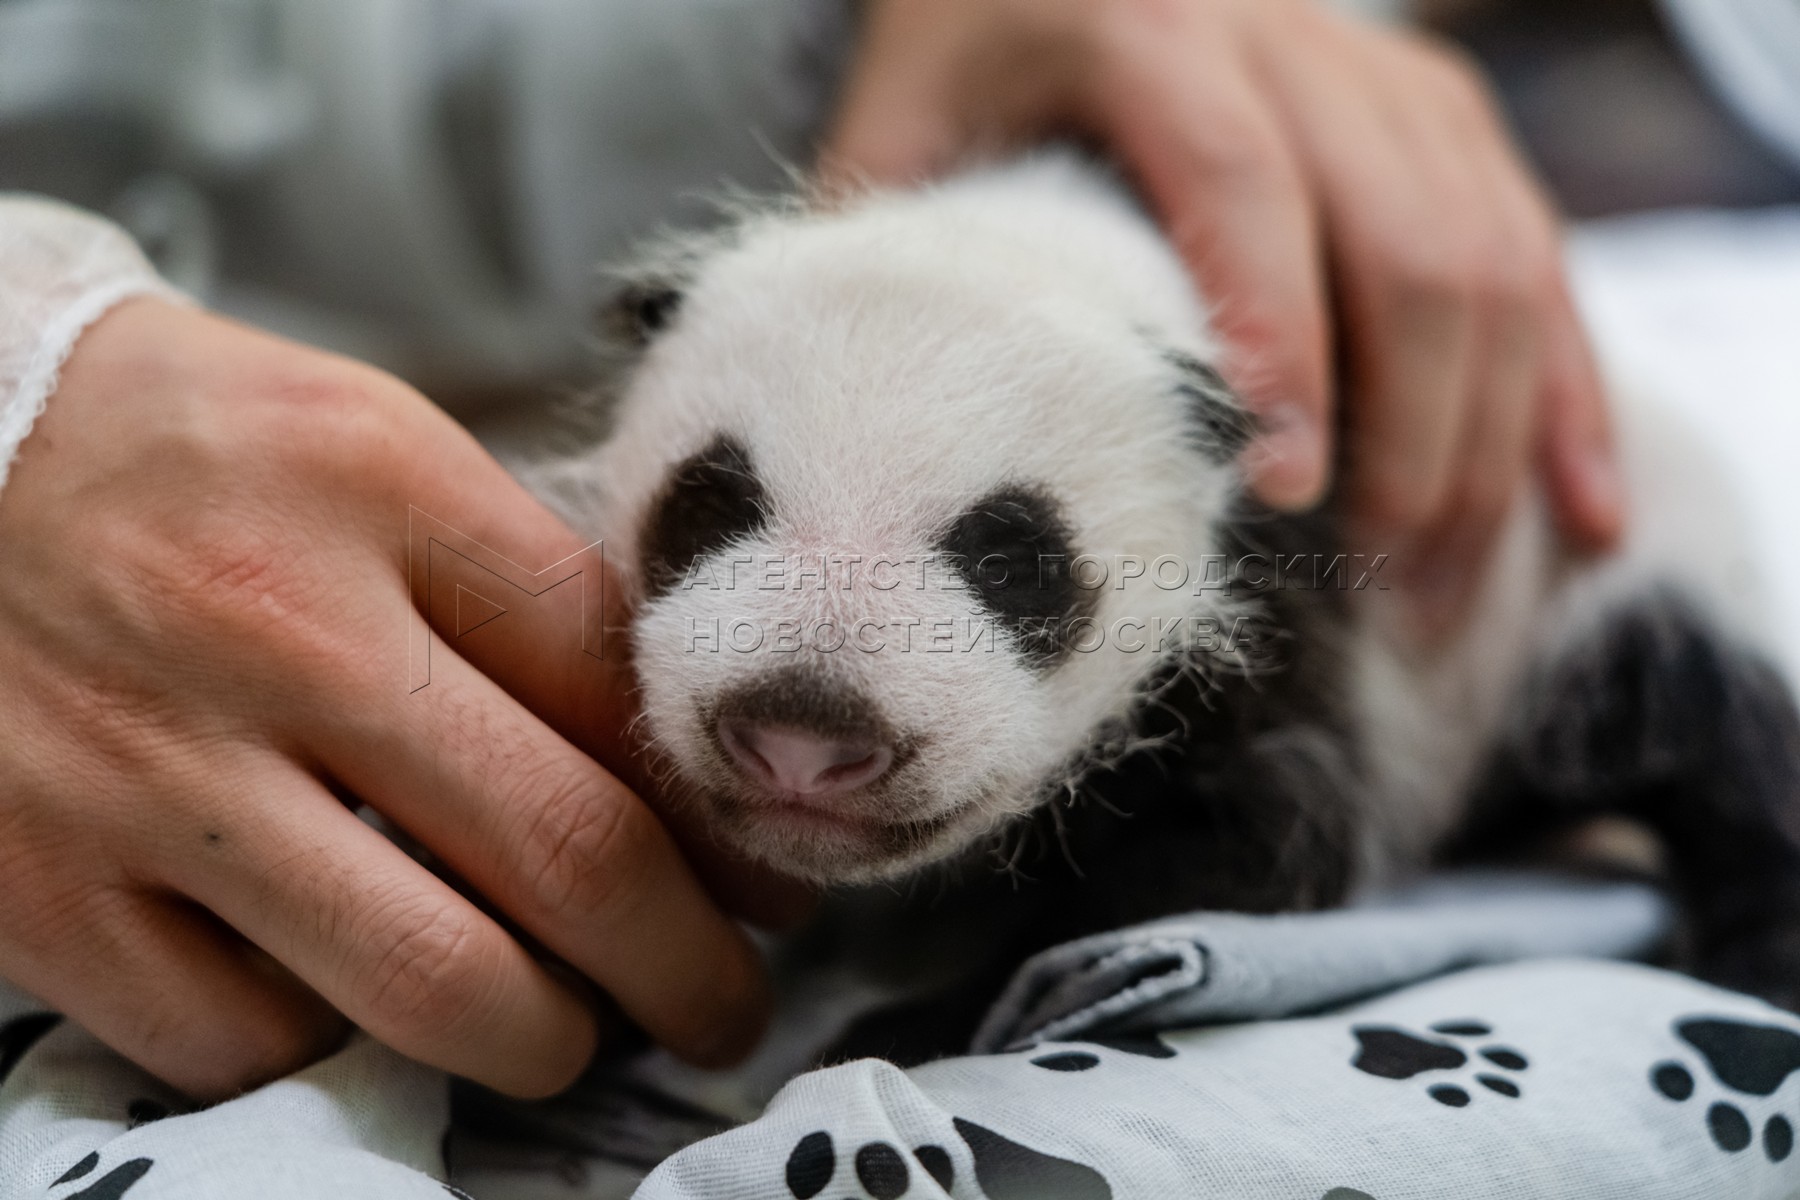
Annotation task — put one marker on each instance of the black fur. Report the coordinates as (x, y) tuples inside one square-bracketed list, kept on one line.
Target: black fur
[(1249, 806), (1655, 716), (1221, 426), (640, 311), (711, 500), (1252, 805), (1013, 550)]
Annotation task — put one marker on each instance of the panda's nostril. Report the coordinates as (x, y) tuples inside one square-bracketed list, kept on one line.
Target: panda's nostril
[(800, 763)]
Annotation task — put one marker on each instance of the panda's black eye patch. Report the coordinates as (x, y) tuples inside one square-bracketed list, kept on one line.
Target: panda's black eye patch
[(1218, 424), (710, 500), (1013, 549), (640, 311)]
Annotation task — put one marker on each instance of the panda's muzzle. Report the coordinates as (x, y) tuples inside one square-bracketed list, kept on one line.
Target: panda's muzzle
[(798, 735), (797, 762)]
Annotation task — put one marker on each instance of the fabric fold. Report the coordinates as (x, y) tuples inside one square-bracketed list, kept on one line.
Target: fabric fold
[(1213, 967)]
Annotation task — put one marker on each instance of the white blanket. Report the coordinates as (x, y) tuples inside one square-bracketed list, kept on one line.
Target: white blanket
[(1543, 1078)]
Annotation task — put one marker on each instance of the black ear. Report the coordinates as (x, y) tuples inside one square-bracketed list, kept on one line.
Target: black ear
[(640, 311), (1219, 425)]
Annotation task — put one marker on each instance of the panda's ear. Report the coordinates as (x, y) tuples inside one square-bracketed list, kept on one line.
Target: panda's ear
[(640, 310), (1219, 426)]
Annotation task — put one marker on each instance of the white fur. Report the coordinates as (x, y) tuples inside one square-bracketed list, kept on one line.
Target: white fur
[(889, 363)]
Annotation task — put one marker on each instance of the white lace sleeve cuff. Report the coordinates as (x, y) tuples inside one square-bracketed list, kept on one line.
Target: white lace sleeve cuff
[(61, 269)]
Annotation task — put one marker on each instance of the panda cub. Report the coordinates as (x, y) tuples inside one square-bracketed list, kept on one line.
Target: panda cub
[(930, 508)]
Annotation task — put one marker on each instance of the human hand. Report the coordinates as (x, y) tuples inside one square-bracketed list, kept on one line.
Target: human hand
[(201, 638), (1296, 157)]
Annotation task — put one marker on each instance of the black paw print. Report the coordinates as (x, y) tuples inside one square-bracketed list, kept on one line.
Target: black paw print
[(1139, 1045), (1396, 1054), (110, 1186), (880, 1168), (1754, 1060), (1005, 1169)]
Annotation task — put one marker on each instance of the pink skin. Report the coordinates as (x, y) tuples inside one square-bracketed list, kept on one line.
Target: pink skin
[(801, 766)]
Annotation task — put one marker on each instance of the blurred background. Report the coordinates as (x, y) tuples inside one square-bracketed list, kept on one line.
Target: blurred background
[(1612, 100)]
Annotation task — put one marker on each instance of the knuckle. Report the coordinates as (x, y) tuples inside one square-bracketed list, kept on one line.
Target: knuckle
[(1486, 495), (1393, 499), (427, 973), (330, 419), (324, 391), (1233, 149), (580, 843), (1427, 276), (1503, 286)]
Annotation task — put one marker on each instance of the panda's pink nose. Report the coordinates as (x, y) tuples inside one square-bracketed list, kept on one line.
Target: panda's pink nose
[(799, 763)]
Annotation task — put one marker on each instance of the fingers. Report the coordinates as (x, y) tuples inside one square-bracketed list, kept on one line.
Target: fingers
[(175, 992), (1535, 387), (385, 942), (1396, 209), (1262, 132), (1215, 165), (561, 846), (1461, 346), (1495, 254), (896, 122), (1513, 269), (552, 651), (1185, 119)]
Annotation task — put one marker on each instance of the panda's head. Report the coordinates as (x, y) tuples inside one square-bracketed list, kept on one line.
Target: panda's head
[(903, 491)]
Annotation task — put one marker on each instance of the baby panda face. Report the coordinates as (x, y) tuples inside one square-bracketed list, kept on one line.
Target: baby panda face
[(889, 483)]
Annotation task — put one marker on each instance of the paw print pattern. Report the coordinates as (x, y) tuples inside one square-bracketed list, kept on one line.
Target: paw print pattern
[(110, 1186), (1392, 1053), (1753, 1060), (1005, 1169), (1141, 1045), (880, 1168)]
